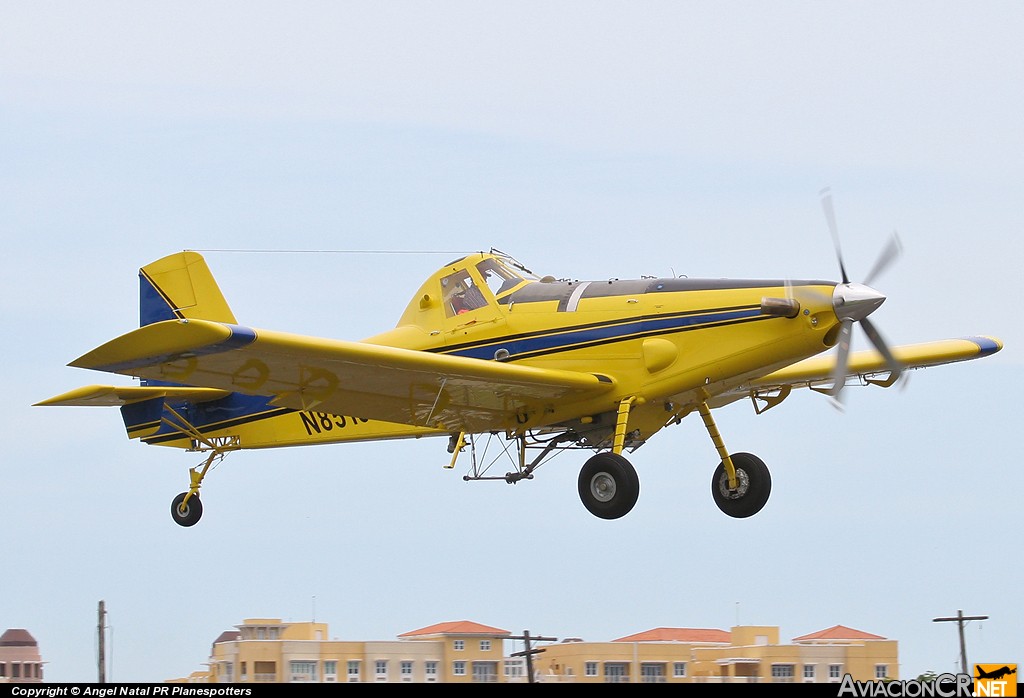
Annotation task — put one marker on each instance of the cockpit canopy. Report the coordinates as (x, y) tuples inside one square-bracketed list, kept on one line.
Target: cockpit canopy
[(461, 292)]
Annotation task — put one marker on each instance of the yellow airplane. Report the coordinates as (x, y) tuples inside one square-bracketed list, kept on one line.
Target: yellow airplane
[(486, 349)]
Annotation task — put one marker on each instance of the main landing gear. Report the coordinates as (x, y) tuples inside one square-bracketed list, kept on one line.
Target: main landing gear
[(609, 486)]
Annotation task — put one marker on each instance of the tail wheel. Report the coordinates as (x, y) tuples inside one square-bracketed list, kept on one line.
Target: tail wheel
[(754, 485), (608, 485), (186, 514)]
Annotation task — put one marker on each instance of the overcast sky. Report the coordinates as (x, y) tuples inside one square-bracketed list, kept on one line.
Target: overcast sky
[(590, 140)]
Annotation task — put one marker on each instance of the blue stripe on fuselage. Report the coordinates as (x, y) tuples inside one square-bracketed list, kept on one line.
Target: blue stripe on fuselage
[(600, 334)]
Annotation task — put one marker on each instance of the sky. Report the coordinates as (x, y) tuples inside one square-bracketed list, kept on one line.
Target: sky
[(590, 140)]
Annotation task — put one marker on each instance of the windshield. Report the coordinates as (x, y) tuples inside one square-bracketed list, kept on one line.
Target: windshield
[(498, 277)]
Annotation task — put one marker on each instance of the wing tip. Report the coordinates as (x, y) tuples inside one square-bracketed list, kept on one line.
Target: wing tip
[(986, 345)]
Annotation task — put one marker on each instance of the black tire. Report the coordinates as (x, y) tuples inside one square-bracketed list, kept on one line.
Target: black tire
[(608, 485), (755, 485), (188, 515)]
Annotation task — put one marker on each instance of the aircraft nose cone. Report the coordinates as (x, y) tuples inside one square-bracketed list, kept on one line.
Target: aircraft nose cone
[(855, 301)]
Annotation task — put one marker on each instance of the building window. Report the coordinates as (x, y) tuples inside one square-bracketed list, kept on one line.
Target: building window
[(485, 672), (651, 672), (430, 669), (459, 668), (590, 669), (330, 670), (835, 672), (485, 645), (227, 672), (881, 671), (515, 668), (15, 670), (381, 669), (353, 670), (405, 669), (459, 645), (679, 670), (3, 669), (808, 672), (303, 672), (616, 672), (782, 673), (265, 671)]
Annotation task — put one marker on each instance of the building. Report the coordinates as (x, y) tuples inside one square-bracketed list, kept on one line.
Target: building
[(20, 661), (267, 650)]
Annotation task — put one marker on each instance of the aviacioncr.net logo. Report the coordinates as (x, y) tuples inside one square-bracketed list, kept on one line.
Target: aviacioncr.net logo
[(995, 680)]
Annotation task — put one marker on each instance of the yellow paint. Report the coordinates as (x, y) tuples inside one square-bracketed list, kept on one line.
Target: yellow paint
[(540, 362)]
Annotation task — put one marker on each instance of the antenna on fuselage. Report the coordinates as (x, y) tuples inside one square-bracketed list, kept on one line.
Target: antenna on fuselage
[(511, 260)]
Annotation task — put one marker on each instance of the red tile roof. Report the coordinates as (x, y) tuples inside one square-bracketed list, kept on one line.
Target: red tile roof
[(228, 636), (456, 627), (678, 635), (838, 632), (17, 637)]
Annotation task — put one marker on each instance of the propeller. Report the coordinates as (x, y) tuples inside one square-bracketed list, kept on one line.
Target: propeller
[(853, 302)]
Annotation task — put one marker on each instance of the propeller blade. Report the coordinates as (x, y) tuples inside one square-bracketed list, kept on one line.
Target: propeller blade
[(876, 339), (830, 218), (889, 255), (842, 360)]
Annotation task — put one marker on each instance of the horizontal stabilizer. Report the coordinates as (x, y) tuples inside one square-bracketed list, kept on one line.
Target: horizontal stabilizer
[(117, 396)]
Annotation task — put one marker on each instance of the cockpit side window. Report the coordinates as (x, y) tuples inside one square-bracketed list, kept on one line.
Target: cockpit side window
[(460, 294), (499, 278)]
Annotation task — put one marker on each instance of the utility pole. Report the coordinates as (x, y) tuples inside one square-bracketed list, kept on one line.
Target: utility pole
[(101, 632), (528, 652), (960, 619)]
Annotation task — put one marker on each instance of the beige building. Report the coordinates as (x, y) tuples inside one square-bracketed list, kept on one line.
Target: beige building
[(20, 661), (267, 650), (746, 654)]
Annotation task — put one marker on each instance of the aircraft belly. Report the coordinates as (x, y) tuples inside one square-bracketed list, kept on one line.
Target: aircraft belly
[(297, 428)]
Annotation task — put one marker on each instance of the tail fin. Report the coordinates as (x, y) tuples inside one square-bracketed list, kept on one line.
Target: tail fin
[(180, 286)]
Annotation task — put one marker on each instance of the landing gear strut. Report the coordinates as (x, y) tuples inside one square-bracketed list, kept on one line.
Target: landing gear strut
[(741, 483), (186, 509), (608, 483)]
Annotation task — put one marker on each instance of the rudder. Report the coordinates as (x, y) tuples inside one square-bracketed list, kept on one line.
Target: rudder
[(180, 286)]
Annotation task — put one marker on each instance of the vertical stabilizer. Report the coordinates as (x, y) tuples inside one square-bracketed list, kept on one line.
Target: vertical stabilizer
[(180, 286)]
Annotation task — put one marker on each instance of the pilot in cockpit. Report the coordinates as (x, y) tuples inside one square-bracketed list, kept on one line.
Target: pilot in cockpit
[(461, 294)]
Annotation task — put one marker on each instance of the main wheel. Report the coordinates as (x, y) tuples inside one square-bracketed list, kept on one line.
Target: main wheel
[(187, 514), (754, 484), (608, 486)]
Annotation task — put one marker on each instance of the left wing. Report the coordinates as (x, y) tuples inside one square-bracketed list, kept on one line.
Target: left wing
[(392, 384), (869, 366)]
